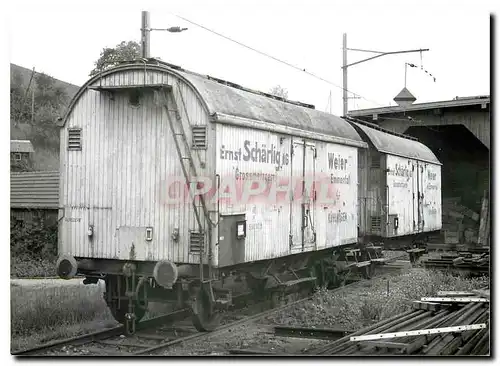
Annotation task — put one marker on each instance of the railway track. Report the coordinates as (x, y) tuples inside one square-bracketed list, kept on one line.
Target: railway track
[(160, 333)]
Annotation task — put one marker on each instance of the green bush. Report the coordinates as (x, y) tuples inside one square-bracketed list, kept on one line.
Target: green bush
[(33, 249)]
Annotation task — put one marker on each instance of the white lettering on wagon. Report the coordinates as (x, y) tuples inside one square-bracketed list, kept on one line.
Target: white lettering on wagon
[(337, 217), (400, 171), (72, 219), (337, 162), (256, 153)]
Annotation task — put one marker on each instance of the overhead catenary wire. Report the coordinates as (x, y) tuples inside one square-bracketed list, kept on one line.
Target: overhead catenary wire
[(275, 59), (329, 105)]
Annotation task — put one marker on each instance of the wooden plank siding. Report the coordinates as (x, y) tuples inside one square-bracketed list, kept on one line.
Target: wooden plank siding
[(118, 181)]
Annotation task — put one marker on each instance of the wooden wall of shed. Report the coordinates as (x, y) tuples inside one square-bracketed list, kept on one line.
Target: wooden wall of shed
[(474, 118)]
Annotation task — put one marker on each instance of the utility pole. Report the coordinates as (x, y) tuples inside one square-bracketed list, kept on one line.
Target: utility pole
[(146, 31), (344, 73), (33, 106), (345, 65), (145, 34)]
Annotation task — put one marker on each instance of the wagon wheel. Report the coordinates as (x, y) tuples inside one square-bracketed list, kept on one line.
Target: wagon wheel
[(120, 308), (277, 298), (119, 312), (368, 271), (317, 270), (256, 285), (337, 277), (204, 316)]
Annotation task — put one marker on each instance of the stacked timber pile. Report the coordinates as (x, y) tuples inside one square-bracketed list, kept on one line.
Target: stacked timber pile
[(462, 229), (460, 224), (467, 261), (452, 323)]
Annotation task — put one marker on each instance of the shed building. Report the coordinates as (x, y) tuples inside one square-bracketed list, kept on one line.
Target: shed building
[(34, 197), (21, 154)]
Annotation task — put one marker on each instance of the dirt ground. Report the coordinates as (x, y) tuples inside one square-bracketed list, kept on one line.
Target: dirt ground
[(255, 336), (351, 309)]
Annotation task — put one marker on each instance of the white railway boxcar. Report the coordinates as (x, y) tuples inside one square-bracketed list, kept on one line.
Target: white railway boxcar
[(132, 138), (119, 161), (171, 181), (403, 185), (275, 221)]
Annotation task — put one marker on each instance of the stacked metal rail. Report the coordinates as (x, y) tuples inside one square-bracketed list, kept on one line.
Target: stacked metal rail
[(452, 323)]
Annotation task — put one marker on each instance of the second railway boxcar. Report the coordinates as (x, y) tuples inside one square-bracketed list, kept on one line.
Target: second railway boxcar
[(403, 185)]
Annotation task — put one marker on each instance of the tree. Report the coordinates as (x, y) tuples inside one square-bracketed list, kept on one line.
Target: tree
[(125, 51), (279, 91), (36, 109)]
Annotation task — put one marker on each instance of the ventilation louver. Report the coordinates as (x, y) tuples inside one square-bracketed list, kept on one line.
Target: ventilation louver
[(375, 163), (74, 139), (195, 241), (199, 137), (376, 223)]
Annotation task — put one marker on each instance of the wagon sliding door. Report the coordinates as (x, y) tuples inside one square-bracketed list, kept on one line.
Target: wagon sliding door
[(302, 209), (296, 176), (309, 203), (417, 183), (420, 175)]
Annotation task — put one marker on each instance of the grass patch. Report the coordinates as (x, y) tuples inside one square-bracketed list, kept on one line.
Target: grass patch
[(42, 313), (30, 267), (358, 307), (46, 312)]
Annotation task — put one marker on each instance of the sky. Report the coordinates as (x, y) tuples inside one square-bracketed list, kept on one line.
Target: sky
[(65, 41)]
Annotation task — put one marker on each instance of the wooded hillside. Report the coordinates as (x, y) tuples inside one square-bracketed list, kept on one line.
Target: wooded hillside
[(36, 101)]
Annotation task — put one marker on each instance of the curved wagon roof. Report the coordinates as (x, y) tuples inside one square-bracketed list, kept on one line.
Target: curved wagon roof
[(389, 143), (222, 98)]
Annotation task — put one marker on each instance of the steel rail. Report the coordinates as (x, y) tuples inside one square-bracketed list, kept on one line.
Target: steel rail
[(102, 334), (115, 331), (162, 320), (241, 321)]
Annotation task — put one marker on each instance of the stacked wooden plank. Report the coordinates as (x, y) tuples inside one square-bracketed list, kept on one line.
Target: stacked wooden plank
[(451, 323), (473, 262), (460, 224)]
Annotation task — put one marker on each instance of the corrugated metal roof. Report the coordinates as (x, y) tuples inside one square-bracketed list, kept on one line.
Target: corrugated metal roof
[(34, 189), (395, 145), (224, 99), (21, 146)]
